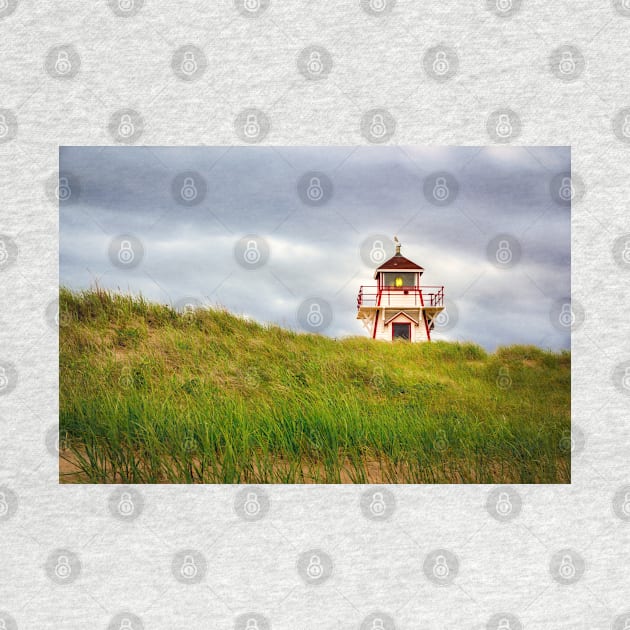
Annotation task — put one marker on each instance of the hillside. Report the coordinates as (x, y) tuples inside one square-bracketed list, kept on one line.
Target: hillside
[(151, 395)]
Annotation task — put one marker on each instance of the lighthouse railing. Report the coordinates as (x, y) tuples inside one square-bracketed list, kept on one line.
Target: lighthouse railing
[(432, 296)]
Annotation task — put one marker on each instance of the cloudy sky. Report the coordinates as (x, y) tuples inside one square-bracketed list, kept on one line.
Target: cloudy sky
[(189, 216)]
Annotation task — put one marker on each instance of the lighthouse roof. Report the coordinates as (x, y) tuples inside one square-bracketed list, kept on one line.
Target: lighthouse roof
[(399, 262)]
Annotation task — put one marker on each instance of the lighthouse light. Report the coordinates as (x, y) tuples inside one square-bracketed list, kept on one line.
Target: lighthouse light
[(399, 281)]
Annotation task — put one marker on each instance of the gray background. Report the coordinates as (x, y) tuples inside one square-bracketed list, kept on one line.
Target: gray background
[(125, 567)]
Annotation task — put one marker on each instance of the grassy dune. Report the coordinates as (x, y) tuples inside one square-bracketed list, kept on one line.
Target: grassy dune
[(148, 395)]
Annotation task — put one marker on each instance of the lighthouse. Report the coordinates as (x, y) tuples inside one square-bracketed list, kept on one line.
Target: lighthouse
[(398, 307)]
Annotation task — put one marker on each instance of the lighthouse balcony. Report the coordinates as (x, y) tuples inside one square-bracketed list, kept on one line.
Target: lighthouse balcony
[(375, 297)]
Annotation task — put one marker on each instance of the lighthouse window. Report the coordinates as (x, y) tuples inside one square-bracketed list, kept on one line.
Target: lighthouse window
[(404, 279)]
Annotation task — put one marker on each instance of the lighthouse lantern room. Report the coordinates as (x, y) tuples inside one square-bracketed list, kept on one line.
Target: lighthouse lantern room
[(398, 307)]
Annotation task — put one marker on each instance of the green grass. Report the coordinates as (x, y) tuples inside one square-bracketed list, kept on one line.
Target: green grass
[(148, 395)]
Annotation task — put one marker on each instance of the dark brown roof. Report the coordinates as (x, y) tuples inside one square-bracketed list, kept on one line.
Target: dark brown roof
[(398, 261)]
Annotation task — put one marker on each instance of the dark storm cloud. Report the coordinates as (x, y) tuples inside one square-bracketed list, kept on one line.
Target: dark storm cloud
[(314, 251)]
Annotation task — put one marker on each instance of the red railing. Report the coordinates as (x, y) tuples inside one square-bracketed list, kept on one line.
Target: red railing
[(382, 296)]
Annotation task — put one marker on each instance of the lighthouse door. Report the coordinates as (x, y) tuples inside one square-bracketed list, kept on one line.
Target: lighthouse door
[(401, 331)]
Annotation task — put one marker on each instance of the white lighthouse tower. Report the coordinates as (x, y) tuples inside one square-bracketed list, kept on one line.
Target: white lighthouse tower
[(398, 307)]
